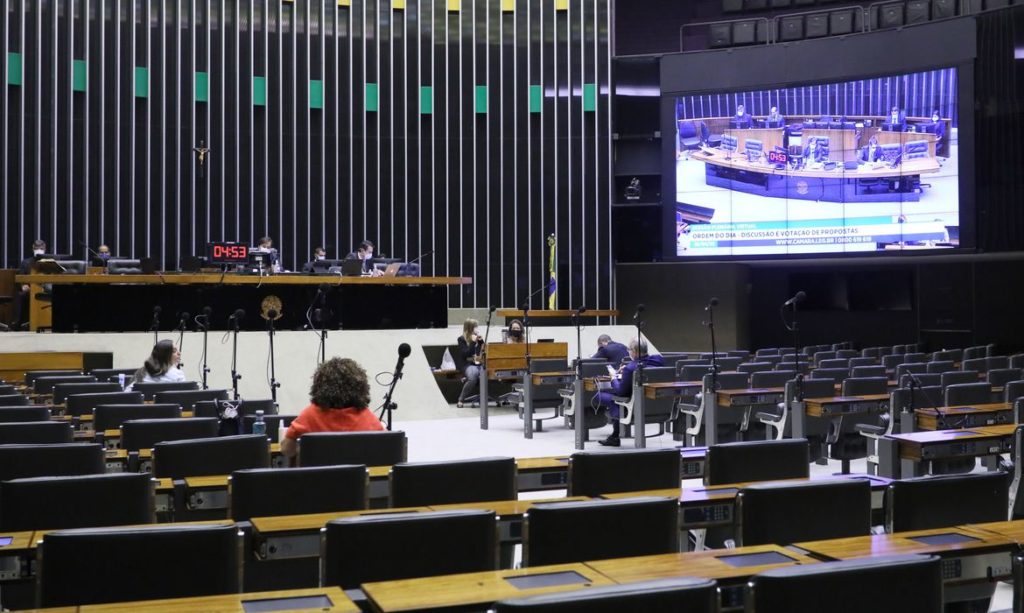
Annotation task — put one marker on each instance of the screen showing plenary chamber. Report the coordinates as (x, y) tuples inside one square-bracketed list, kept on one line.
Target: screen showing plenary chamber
[(853, 166)]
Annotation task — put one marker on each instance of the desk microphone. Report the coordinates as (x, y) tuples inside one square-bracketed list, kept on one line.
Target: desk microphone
[(711, 304), (404, 350), (640, 308), (799, 297)]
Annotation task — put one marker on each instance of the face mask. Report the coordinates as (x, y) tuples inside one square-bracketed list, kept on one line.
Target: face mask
[(935, 118), (104, 256), (515, 333), (38, 252), (321, 257)]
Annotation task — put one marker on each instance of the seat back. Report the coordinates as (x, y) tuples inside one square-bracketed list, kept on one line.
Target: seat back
[(925, 378), (629, 470), (757, 461), (263, 492), (821, 356), (730, 380), (998, 377), (36, 433), (910, 583), (864, 361), (892, 360), (947, 355), (149, 390), (149, 563), (658, 596), (694, 372), (838, 375), (45, 503), (660, 409), (914, 357), (973, 353), (848, 354), (32, 375), (1016, 360), (145, 433), (45, 385), (188, 398), (83, 404), (63, 390), (975, 364), (959, 376), (968, 393), (939, 501), (274, 424), (775, 378), (941, 366), (868, 371), (391, 546), (416, 484), (862, 386), (111, 374), (749, 367), (23, 461), (210, 456), (914, 367), (834, 363), (381, 448), (15, 414), (111, 416), (727, 363), (783, 513), (565, 532), (994, 362), (121, 266), (1011, 391), (923, 398), (13, 400)]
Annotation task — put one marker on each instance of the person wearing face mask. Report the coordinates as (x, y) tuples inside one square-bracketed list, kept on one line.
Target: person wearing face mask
[(741, 119), (872, 152), (102, 256), (938, 127), (896, 120), (515, 332), (162, 365), (266, 245), (319, 255), (22, 300), (622, 386)]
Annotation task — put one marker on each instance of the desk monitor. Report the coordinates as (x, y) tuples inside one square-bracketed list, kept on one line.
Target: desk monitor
[(351, 268)]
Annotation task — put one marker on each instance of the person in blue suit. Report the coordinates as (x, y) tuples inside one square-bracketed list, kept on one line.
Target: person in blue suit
[(741, 119), (896, 121), (872, 152), (939, 126), (607, 349), (813, 152), (622, 386)]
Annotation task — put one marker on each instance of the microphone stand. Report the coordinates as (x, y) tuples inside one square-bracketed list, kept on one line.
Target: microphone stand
[(155, 327), (273, 379), (710, 323), (526, 323), (182, 325), (390, 406), (234, 358), (205, 325), (319, 319)]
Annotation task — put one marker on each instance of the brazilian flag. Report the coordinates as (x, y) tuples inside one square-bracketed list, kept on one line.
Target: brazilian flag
[(552, 275)]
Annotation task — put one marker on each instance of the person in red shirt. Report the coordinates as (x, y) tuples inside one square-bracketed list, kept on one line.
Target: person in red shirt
[(339, 397)]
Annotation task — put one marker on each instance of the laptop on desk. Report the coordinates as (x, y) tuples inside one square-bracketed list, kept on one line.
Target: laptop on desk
[(351, 268)]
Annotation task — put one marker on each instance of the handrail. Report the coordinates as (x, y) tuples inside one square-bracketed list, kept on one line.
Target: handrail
[(767, 36)]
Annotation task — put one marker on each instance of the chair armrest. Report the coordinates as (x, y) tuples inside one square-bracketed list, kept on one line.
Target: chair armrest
[(869, 429), (565, 393), (767, 416)]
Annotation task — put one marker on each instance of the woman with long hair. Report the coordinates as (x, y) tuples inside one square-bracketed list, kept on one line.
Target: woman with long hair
[(162, 365), (469, 345)]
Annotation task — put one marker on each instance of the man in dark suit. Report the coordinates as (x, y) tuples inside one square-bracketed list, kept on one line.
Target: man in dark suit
[(622, 386), (872, 152), (774, 119), (364, 252), (607, 349), (21, 301), (319, 255), (813, 152), (896, 120), (741, 119)]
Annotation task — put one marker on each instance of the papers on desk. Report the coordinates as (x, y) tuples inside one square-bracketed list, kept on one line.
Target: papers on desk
[(611, 371)]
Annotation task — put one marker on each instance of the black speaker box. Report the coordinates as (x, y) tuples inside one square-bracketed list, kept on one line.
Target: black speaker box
[(840, 22), (941, 9), (816, 25), (791, 28), (918, 11), (743, 32), (890, 15), (720, 35)]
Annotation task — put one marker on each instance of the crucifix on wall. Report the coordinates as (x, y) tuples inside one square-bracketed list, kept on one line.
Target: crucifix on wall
[(202, 151)]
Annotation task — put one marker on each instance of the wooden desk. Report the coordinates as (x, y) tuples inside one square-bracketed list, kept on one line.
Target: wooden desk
[(510, 513), (546, 473), (671, 389), (563, 377), (737, 161), (752, 396), (1012, 530), (470, 589), (770, 137), (972, 416), (14, 364), (945, 444), (503, 360), (555, 313), (846, 405), (234, 603), (716, 403)]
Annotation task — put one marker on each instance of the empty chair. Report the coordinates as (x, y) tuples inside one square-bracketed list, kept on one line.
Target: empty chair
[(863, 386), (565, 532), (775, 378), (149, 390), (998, 377), (836, 374), (771, 359), (45, 385), (419, 484), (592, 418), (111, 416), (914, 357), (693, 373), (63, 390), (941, 366), (871, 352), (13, 400), (656, 411), (737, 353), (391, 546), (834, 363), (83, 404), (757, 461), (968, 393), (9, 414), (1011, 391), (892, 361), (786, 513), (111, 374), (629, 470), (867, 371), (7, 389), (274, 424), (976, 364), (939, 502), (948, 355), (24, 461), (899, 349), (543, 396), (820, 356), (749, 367), (1017, 360), (910, 583), (729, 363), (779, 418), (188, 398), (804, 366), (263, 492), (210, 456), (370, 448), (87, 501), (150, 563), (914, 367), (863, 361), (36, 433), (145, 433), (973, 353), (766, 351), (658, 596), (32, 375), (928, 378), (994, 362), (959, 376)]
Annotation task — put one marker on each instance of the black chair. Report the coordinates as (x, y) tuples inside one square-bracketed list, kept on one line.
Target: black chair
[(564, 532), (89, 501), (111, 374), (909, 583), (943, 501), (111, 416), (864, 361), (36, 433), (391, 546), (836, 374), (968, 393), (750, 367), (997, 362), (834, 363), (150, 390), (592, 418), (188, 398), (14, 400), (973, 353), (544, 396), (786, 513), (62, 390), (757, 461), (7, 389), (629, 470), (210, 456), (660, 596), (1011, 391), (775, 378), (263, 492), (45, 385), (891, 361), (146, 433), (32, 375), (83, 404), (15, 414), (998, 377), (947, 355), (914, 367), (370, 448), (149, 563), (931, 379), (958, 377), (867, 371), (420, 484), (24, 461), (694, 372), (975, 364), (862, 386), (941, 366)]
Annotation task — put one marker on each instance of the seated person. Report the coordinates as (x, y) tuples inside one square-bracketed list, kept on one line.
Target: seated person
[(338, 400), (896, 120), (162, 365), (21, 301), (102, 255), (813, 153), (740, 119), (773, 119), (938, 126), (364, 252), (610, 350), (515, 333), (266, 245), (469, 345), (319, 255), (622, 385), (872, 152)]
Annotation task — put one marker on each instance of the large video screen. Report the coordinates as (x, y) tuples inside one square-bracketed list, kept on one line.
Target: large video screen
[(855, 166)]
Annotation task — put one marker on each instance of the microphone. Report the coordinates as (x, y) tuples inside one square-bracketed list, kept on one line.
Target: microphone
[(419, 257), (237, 316), (799, 297), (156, 316), (203, 319), (581, 310), (492, 309), (316, 316), (183, 322), (403, 352), (711, 304), (271, 315), (83, 244), (640, 308)]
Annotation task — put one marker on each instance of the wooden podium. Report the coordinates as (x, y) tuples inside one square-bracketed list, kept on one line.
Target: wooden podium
[(508, 361)]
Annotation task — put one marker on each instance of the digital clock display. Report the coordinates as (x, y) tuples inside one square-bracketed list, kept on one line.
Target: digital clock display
[(228, 253), (778, 157)]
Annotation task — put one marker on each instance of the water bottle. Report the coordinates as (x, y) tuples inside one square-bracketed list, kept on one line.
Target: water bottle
[(120, 379), (259, 426)]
